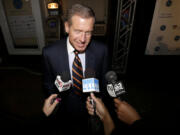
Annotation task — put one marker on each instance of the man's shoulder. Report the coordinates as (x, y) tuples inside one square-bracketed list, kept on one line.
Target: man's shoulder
[(98, 44), (55, 45)]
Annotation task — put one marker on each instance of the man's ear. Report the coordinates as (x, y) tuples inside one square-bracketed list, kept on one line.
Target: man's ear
[(66, 25)]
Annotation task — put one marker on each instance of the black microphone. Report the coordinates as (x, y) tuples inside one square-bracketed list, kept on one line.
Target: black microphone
[(62, 82), (65, 76), (90, 84), (115, 88), (89, 73)]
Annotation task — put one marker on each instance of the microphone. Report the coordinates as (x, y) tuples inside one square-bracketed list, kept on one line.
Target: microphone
[(62, 82), (90, 84), (115, 88)]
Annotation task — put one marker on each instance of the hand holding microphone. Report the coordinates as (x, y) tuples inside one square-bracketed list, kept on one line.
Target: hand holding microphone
[(63, 83), (125, 112), (101, 110), (51, 103), (90, 85)]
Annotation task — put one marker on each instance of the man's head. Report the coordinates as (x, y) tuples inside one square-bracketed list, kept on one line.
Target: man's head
[(79, 26)]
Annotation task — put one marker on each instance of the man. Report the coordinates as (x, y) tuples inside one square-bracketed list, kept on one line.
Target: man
[(59, 58)]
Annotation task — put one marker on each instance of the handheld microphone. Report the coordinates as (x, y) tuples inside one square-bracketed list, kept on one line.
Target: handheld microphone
[(62, 86), (62, 83), (90, 84), (115, 88)]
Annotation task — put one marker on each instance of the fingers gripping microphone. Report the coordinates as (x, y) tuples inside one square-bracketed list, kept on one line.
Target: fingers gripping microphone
[(91, 85), (115, 88)]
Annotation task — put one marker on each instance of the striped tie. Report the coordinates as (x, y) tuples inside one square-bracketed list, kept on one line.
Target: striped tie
[(77, 73)]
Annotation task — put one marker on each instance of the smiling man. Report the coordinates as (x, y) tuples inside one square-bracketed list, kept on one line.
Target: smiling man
[(71, 58), (80, 32)]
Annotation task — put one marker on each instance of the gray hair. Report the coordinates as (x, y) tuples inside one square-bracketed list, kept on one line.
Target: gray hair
[(80, 10)]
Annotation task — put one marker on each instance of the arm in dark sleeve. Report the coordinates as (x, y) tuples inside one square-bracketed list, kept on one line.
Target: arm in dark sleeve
[(108, 101), (104, 70), (48, 79), (143, 123)]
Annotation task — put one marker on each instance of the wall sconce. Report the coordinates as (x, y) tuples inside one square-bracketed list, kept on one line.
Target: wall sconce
[(53, 8)]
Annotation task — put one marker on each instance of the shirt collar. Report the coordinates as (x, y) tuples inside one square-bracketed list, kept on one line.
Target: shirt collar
[(70, 47)]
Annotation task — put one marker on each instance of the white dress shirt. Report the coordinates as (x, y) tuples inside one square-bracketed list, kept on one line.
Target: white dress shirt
[(71, 56)]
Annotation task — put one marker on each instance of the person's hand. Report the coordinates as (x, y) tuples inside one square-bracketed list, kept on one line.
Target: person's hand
[(125, 112), (101, 110), (49, 105)]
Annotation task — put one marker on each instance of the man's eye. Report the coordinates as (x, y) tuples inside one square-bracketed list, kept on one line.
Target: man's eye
[(77, 31), (88, 33)]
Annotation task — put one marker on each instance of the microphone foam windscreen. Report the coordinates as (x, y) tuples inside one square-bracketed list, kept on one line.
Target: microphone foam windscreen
[(90, 73), (65, 76), (111, 76)]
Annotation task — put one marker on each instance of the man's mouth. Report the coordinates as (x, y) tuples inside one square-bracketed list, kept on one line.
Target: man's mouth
[(81, 44)]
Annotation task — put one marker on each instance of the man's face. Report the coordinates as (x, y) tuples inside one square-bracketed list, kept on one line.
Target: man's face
[(80, 32)]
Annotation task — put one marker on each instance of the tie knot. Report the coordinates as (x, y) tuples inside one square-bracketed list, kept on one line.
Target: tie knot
[(76, 52)]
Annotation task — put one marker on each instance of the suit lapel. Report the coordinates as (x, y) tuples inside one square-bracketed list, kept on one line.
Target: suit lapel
[(64, 61), (90, 59)]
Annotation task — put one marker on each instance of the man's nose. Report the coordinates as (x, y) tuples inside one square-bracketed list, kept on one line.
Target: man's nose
[(83, 37)]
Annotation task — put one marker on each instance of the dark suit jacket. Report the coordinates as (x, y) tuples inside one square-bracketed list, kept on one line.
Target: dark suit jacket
[(55, 59)]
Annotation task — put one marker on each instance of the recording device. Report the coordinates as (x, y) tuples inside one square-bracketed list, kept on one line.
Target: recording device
[(62, 86), (90, 84), (62, 83), (115, 88)]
